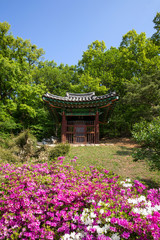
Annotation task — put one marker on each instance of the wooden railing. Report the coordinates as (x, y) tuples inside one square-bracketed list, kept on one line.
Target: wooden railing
[(69, 137)]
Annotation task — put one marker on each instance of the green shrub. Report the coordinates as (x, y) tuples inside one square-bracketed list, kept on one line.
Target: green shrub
[(40, 149), (24, 138), (20, 147), (6, 155), (41, 154), (6, 141), (59, 150), (2, 142), (26, 143), (147, 134), (24, 147)]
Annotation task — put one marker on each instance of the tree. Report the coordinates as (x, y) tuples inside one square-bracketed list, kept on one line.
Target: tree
[(144, 97), (139, 56), (19, 95), (89, 84), (92, 59), (147, 134), (57, 80), (136, 80), (156, 36)]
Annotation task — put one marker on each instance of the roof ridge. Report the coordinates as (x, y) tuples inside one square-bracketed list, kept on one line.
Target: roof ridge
[(68, 94), (80, 97)]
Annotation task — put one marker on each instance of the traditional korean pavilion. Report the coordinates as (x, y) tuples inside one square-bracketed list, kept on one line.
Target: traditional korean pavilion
[(80, 114)]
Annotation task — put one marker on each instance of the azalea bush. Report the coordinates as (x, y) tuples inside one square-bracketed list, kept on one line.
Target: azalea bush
[(56, 201)]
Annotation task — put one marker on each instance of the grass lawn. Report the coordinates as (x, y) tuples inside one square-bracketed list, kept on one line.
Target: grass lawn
[(116, 158)]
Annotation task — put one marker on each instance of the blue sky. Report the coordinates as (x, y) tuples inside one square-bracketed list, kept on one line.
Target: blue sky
[(65, 28)]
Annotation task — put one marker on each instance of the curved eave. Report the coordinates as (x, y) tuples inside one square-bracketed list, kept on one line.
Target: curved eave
[(100, 103)]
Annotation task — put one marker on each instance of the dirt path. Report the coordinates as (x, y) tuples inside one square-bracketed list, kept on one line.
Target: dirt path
[(127, 142)]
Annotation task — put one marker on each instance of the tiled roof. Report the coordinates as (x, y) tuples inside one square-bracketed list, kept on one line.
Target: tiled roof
[(80, 97)]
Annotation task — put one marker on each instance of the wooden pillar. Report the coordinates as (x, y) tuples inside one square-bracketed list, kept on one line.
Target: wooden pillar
[(97, 127), (63, 128)]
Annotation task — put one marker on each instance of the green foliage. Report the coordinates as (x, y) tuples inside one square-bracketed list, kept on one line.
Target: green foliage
[(59, 150), (19, 148), (4, 141), (26, 144), (24, 147), (25, 138), (40, 149), (57, 80), (20, 96), (41, 154), (139, 56), (156, 36), (147, 134), (7, 156), (92, 59), (89, 84)]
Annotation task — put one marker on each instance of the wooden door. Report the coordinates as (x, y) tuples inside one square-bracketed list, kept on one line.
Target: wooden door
[(80, 134)]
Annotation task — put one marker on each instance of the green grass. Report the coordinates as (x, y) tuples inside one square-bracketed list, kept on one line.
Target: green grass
[(117, 159)]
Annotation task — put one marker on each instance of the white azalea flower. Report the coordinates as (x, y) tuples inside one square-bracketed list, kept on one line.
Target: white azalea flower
[(138, 200), (122, 182), (128, 180), (142, 198), (115, 236), (108, 219), (134, 201), (127, 185), (92, 215), (147, 208), (66, 237), (100, 203), (89, 227), (73, 235), (79, 236), (157, 208), (87, 220), (100, 230), (99, 222), (106, 227), (101, 211)]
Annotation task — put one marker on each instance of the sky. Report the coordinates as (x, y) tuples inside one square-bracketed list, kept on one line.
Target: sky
[(65, 28)]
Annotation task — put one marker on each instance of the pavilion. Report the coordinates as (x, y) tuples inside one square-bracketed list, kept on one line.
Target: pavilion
[(80, 114)]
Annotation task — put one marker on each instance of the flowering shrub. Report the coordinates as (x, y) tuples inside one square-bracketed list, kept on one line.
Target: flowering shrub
[(45, 201)]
